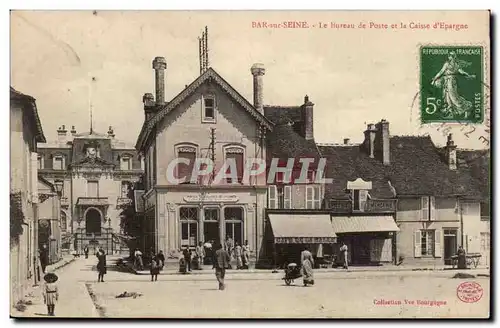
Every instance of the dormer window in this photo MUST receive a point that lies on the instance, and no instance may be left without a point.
(358, 193)
(125, 163)
(208, 108)
(58, 162)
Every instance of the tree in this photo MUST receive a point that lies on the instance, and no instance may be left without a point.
(130, 222)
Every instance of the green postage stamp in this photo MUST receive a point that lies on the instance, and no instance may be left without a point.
(451, 84)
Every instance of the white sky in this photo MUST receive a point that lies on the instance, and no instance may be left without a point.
(354, 77)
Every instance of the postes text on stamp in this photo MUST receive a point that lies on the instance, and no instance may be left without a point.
(451, 84)
(469, 292)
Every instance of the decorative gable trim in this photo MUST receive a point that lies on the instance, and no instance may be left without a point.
(212, 76)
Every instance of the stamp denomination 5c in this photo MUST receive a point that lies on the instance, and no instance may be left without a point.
(451, 84)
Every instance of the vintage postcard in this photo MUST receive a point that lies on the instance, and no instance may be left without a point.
(250, 164)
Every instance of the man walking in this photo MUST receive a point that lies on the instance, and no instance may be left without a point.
(221, 263)
(200, 255)
(187, 258)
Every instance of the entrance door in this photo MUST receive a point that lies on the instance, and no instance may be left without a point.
(450, 245)
(93, 222)
(211, 225)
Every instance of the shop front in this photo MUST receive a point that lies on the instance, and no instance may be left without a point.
(288, 235)
(370, 239)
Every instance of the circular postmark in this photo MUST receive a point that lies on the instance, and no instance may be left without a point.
(469, 292)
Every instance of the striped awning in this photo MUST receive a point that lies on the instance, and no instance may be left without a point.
(302, 228)
(346, 224)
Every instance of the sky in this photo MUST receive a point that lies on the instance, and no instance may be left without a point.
(353, 76)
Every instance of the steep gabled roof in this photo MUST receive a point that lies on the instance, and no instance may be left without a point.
(416, 169)
(284, 142)
(208, 75)
(32, 111)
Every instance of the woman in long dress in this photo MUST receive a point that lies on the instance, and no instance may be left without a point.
(307, 263)
(238, 255)
(446, 78)
(246, 255)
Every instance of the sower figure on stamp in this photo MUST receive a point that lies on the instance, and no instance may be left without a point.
(221, 263)
(50, 292)
(447, 78)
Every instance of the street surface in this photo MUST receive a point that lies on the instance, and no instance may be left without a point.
(256, 295)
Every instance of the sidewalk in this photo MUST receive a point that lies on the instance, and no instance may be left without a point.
(74, 299)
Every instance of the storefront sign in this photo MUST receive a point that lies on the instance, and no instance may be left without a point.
(305, 240)
(217, 198)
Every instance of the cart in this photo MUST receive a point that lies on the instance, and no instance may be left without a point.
(472, 259)
(292, 272)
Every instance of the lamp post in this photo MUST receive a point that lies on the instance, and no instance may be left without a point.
(58, 186)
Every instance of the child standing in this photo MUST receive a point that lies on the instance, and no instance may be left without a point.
(155, 269)
(50, 293)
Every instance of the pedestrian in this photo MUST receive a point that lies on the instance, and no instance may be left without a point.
(101, 265)
(187, 258)
(44, 257)
(246, 255)
(200, 254)
(86, 251)
(462, 258)
(344, 250)
(154, 269)
(161, 260)
(307, 262)
(50, 292)
(208, 251)
(220, 264)
(139, 265)
(229, 248)
(238, 253)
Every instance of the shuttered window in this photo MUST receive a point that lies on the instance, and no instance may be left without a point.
(428, 243)
(287, 201)
(424, 207)
(313, 197)
(271, 197)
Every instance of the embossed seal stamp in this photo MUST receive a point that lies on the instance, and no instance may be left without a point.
(469, 292)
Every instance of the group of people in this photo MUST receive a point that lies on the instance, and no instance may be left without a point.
(157, 262)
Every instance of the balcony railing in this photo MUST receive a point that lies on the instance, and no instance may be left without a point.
(371, 206)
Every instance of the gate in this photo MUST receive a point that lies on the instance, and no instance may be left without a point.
(94, 241)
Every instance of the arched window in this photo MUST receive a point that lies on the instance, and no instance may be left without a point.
(233, 217)
(185, 170)
(64, 222)
(189, 225)
(236, 154)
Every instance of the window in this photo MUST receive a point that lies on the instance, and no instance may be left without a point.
(427, 243)
(63, 222)
(58, 163)
(358, 198)
(235, 154)
(189, 226)
(485, 211)
(234, 223)
(427, 206)
(485, 241)
(313, 200)
(92, 188)
(284, 197)
(272, 197)
(185, 170)
(40, 162)
(209, 108)
(126, 163)
(211, 224)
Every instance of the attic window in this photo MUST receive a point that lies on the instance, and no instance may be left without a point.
(208, 110)
(359, 198)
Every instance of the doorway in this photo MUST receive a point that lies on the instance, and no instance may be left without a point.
(93, 222)
(211, 230)
(450, 245)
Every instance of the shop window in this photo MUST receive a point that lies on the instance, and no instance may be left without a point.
(233, 217)
(211, 224)
(208, 110)
(313, 199)
(427, 243)
(189, 226)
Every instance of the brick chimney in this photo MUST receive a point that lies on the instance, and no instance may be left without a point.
(62, 134)
(73, 131)
(382, 142)
(307, 118)
(160, 65)
(111, 133)
(369, 142)
(346, 141)
(258, 72)
(149, 105)
(451, 153)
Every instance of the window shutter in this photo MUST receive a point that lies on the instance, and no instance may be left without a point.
(309, 197)
(34, 178)
(417, 243)
(437, 243)
(432, 210)
(425, 208)
(317, 199)
(271, 197)
(288, 197)
(362, 199)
